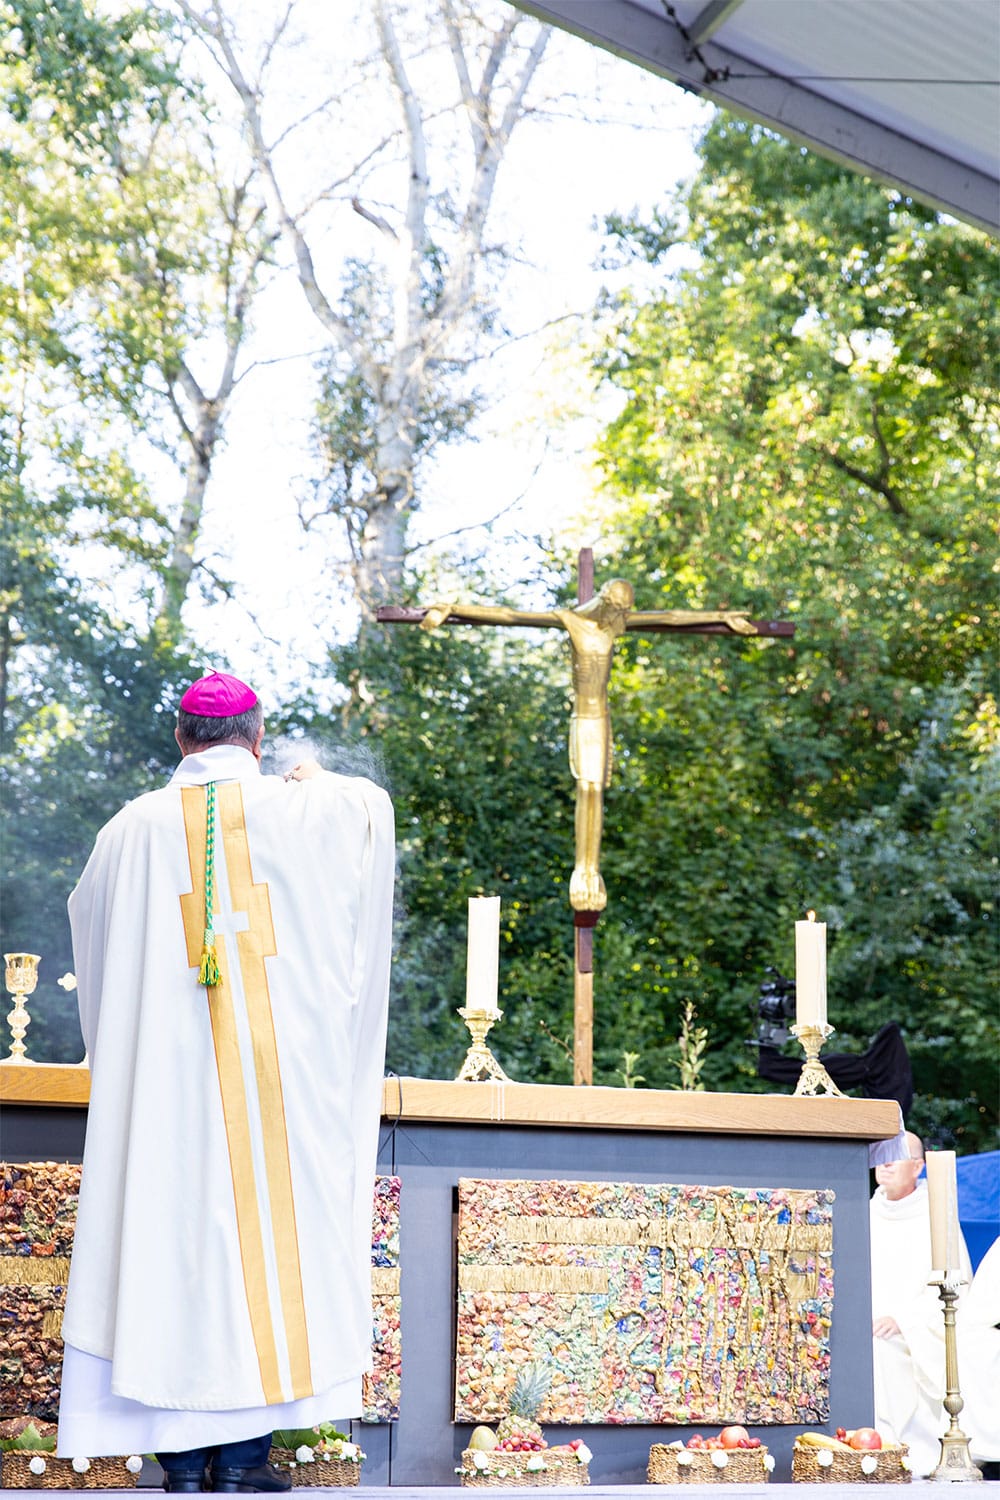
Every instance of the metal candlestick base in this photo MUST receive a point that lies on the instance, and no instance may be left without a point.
(21, 978)
(814, 1079)
(479, 1060)
(955, 1466)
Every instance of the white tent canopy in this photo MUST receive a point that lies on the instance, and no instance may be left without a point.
(906, 91)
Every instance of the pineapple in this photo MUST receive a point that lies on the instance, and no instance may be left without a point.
(519, 1432)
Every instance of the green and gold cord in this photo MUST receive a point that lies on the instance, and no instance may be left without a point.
(208, 973)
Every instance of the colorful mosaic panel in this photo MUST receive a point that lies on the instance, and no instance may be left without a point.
(37, 1218)
(648, 1302)
(380, 1389)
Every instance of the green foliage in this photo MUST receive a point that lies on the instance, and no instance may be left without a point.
(84, 679)
(629, 1077)
(29, 1440)
(808, 429)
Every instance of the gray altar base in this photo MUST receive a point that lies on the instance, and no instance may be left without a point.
(424, 1447)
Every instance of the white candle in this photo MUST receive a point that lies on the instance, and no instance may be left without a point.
(942, 1190)
(810, 972)
(483, 963)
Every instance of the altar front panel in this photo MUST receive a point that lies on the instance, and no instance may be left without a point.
(425, 1445)
(645, 1303)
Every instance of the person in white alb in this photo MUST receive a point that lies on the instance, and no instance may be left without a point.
(978, 1336)
(231, 934)
(907, 1322)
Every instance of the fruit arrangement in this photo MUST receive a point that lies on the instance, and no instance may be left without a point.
(854, 1455)
(860, 1440)
(519, 1431)
(729, 1437)
(517, 1452)
(730, 1456)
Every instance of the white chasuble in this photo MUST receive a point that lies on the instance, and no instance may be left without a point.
(221, 1264)
(909, 1367)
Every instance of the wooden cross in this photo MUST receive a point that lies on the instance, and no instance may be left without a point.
(593, 628)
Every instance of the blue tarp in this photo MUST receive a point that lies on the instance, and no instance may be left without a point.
(979, 1201)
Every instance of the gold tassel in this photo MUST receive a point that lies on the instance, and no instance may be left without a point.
(209, 972)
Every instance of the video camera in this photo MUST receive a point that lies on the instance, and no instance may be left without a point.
(775, 1006)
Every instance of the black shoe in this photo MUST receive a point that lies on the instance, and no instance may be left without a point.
(264, 1479)
(184, 1481)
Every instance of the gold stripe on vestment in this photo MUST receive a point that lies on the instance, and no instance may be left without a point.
(254, 945)
(234, 1100)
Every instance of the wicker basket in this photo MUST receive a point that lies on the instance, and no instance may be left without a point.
(510, 1471)
(330, 1473)
(670, 1465)
(103, 1474)
(891, 1465)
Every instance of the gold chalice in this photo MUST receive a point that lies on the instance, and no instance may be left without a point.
(21, 979)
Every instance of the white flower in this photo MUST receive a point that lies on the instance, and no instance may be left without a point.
(134, 1464)
(720, 1459)
(480, 1460)
(685, 1457)
(824, 1458)
(869, 1464)
(37, 1465)
(584, 1454)
(769, 1462)
(535, 1464)
(81, 1465)
(351, 1452)
(304, 1455)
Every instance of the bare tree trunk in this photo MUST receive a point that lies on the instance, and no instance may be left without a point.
(400, 366)
(200, 417)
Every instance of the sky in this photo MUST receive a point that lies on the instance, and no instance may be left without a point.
(616, 139)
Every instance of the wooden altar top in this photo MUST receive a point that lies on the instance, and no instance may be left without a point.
(432, 1100)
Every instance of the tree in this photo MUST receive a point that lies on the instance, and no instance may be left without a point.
(403, 326)
(807, 428)
(113, 179)
(95, 194)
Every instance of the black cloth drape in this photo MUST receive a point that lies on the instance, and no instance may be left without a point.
(883, 1072)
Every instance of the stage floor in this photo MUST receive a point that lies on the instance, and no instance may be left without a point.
(918, 1489)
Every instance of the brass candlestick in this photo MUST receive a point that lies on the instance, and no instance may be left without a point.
(814, 1079)
(21, 978)
(955, 1465)
(479, 1060)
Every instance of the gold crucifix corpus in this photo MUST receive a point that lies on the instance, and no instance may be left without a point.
(593, 628)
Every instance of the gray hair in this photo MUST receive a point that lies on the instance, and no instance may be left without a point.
(236, 729)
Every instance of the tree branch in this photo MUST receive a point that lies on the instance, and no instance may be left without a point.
(339, 328)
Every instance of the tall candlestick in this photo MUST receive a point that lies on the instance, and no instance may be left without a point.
(942, 1191)
(810, 972)
(483, 963)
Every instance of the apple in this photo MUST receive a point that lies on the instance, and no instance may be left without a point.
(865, 1437)
(732, 1437)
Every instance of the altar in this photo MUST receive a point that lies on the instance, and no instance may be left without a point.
(440, 1140)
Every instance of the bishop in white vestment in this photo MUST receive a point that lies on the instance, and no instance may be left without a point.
(220, 1280)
